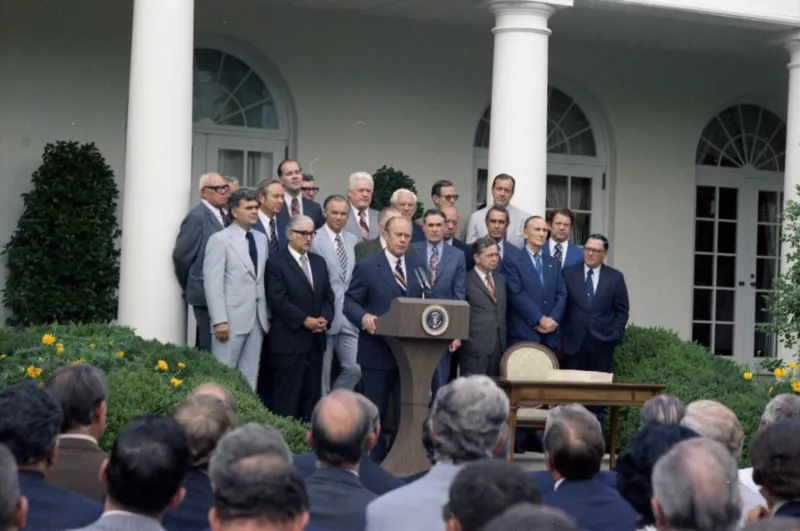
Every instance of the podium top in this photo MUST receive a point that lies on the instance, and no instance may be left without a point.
(425, 319)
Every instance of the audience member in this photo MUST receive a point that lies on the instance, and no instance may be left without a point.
(784, 406)
(82, 392)
(662, 409)
(29, 427)
(700, 498)
(530, 517)
(246, 441)
(574, 448)
(468, 423)
(206, 419)
(13, 505)
(483, 490)
(775, 455)
(635, 465)
(219, 392)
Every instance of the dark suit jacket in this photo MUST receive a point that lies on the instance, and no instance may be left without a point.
(509, 250)
(593, 505)
(372, 475)
(789, 510)
(310, 209)
(603, 321)
(77, 468)
(487, 318)
(372, 289)
(574, 254)
(467, 250)
(529, 300)
(292, 299)
(373, 246)
(280, 229)
(337, 499)
(545, 481)
(52, 507)
(417, 234)
(189, 252)
(192, 513)
(451, 278)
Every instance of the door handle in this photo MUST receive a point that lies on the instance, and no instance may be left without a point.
(752, 284)
(741, 282)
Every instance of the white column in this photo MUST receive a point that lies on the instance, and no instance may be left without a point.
(518, 136)
(158, 165)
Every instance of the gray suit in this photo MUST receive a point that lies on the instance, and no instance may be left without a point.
(354, 228)
(235, 292)
(187, 259)
(342, 335)
(488, 333)
(124, 522)
(476, 227)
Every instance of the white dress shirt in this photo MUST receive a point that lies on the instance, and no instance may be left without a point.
(552, 244)
(392, 259)
(214, 210)
(331, 235)
(265, 221)
(357, 214)
(288, 200)
(296, 257)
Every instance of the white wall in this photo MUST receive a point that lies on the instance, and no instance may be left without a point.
(770, 11)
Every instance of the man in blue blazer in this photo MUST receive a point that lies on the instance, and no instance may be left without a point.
(294, 204)
(377, 280)
(270, 203)
(536, 293)
(560, 221)
(597, 310)
(447, 272)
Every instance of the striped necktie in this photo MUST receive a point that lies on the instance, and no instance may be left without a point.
(490, 287)
(433, 265)
(399, 276)
(362, 222)
(341, 254)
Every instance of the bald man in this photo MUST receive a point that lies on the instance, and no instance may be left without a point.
(341, 432)
(451, 230)
(220, 392)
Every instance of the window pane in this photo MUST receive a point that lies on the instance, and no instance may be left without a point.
(259, 167)
(723, 340)
(766, 268)
(728, 198)
(581, 193)
(762, 307)
(556, 191)
(582, 229)
(705, 197)
(726, 237)
(768, 207)
(701, 333)
(765, 345)
(767, 240)
(704, 236)
(726, 271)
(231, 162)
(702, 305)
(724, 307)
(481, 186)
(703, 270)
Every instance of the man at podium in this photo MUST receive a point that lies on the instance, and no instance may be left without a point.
(377, 279)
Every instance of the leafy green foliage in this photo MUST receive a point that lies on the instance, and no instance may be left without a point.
(690, 371)
(63, 263)
(144, 376)
(387, 180)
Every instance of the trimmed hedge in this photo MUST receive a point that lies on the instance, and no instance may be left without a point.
(137, 384)
(691, 372)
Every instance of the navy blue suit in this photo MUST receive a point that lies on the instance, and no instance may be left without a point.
(509, 250)
(52, 507)
(529, 300)
(593, 505)
(574, 254)
(417, 234)
(592, 331)
(469, 260)
(789, 510)
(310, 209)
(192, 513)
(280, 229)
(545, 481)
(372, 476)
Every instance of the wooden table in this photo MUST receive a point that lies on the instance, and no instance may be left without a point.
(615, 395)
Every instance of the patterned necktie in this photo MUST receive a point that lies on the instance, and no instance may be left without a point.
(295, 207)
(490, 287)
(557, 253)
(251, 247)
(306, 269)
(433, 265)
(537, 261)
(399, 276)
(590, 287)
(362, 221)
(273, 235)
(341, 254)
(224, 216)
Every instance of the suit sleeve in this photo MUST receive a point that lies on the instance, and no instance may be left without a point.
(517, 296)
(621, 307)
(329, 299)
(460, 280)
(471, 233)
(279, 298)
(355, 298)
(214, 278)
(187, 247)
(560, 304)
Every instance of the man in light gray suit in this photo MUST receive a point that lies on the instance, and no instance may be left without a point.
(190, 246)
(337, 248)
(487, 297)
(233, 276)
(362, 221)
(502, 191)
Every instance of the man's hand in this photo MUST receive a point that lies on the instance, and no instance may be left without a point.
(312, 323)
(454, 345)
(755, 514)
(322, 325)
(548, 325)
(370, 323)
(221, 331)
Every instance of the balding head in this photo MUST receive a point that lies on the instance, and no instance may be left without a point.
(341, 429)
(573, 442)
(451, 221)
(217, 391)
(784, 406)
(717, 422)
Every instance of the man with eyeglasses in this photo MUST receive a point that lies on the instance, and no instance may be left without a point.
(295, 204)
(299, 290)
(309, 187)
(594, 321)
(197, 227)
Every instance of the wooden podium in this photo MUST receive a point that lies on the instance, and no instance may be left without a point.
(418, 331)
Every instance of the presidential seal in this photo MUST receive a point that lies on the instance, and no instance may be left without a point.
(435, 320)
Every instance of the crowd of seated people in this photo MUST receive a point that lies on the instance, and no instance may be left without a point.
(197, 469)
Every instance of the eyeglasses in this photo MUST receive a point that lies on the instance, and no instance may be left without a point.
(450, 197)
(221, 188)
(592, 250)
(310, 188)
(306, 233)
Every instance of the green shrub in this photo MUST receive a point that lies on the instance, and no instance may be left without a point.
(690, 371)
(134, 366)
(63, 262)
(387, 180)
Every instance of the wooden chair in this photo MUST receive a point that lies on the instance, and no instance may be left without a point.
(529, 361)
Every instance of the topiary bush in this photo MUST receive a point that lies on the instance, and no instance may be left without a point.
(690, 371)
(63, 263)
(144, 376)
(387, 180)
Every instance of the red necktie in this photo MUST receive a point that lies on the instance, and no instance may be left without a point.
(295, 207)
(362, 220)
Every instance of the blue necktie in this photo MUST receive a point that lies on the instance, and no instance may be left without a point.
(251, 245)
(557, 254)
(537, 261)
(590, 287)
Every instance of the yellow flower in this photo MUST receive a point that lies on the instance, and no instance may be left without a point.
(41, 358)
(92, 345)
(175, 382)
(78, 361)
(748, 376)
(48, 339)
(796, 387)
(780, 372)
(793, 365)
(3, 356)
(59, 348)
(162, 365)
(110, 342)
(181, 365)
(33, 371)
(770, 390)
(121, 353)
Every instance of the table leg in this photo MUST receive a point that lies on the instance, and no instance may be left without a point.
(612, 452)
(512, 432)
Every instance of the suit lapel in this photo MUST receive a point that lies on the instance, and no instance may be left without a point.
(386, 272)
(328, 250)
(294, 266)
(602, 283)
(213, 218)
(476, 279)
(240, 247)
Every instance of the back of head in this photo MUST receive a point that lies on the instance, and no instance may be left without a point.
(29, 423)
(260, 487)
(701, 498)
(79, 390)
(205, 419)
(468, 419)
(9, 491)
(775, 455)
(246, 441)
(218, 391)
(662, 409)
(635, 463)
(717, 422)
(340, 427)
(147, 463)
(784, 406)
(484, 489)
(774, 523)
(529, 517)
(573, 442)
